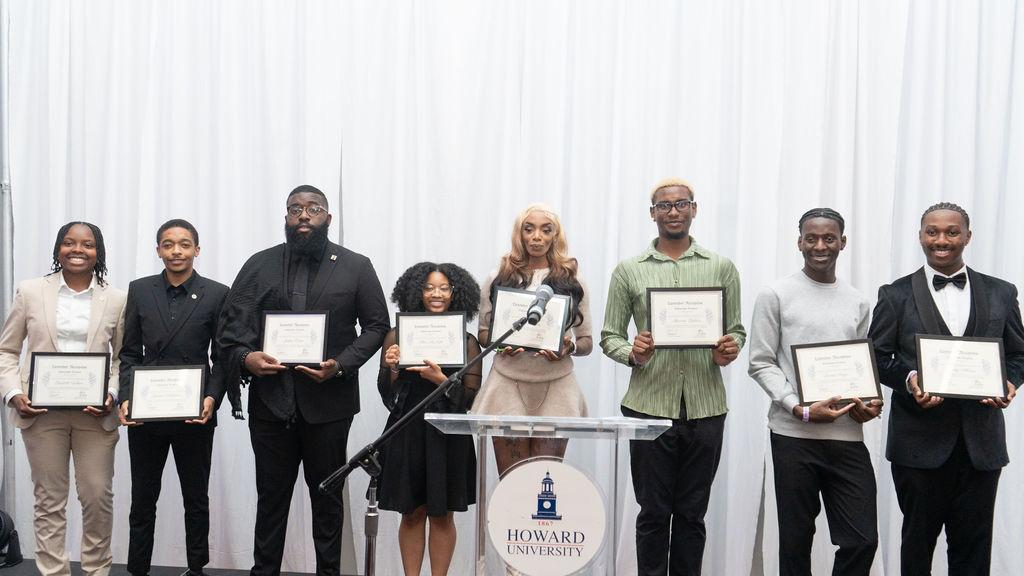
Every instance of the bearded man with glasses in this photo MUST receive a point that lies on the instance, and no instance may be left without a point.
(672, 474)
(301, 414)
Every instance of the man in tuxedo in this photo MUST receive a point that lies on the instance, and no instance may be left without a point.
(170, 320)
(301, 414)
(946, 453)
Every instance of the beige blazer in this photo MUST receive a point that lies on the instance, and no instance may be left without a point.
(34, 317)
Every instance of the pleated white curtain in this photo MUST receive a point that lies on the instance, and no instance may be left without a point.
(434, 123)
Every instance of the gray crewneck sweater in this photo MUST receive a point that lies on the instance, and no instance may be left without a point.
(798, 310)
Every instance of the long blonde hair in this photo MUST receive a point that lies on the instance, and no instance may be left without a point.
(514, 269)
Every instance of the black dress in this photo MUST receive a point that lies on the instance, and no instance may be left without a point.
(420, 465)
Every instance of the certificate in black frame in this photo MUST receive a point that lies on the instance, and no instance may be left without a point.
(650, 325)
(514, 340)
(101, 384)
(461, 339)
(922, 372)
(323, 349)
(191, 416)
(870, 358)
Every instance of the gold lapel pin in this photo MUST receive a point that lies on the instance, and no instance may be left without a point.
(334, 257)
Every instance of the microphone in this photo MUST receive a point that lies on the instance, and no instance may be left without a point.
(536, 310)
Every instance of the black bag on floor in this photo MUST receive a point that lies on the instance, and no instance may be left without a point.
(10, 548)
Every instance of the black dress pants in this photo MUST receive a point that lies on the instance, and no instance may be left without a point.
(955, 495)
(148, 446)
(279, 448)
(672, 478)
(841, 473)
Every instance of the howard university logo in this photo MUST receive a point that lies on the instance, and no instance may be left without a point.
(552, 541)
(547, 501)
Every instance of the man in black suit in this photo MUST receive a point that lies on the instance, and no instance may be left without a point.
(301, 415)
(171, 319)
(946, 453)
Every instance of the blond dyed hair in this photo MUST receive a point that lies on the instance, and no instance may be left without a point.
(514, 271)
(670, 182)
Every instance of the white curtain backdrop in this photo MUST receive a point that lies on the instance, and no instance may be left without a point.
(450, 116)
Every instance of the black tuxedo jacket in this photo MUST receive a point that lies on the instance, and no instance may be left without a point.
(347, 288)
(925, 438)
(152, 339)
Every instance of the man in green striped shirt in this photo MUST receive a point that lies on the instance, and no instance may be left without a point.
(672, 475)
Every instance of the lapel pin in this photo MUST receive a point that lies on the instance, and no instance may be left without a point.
(334, 257)
(194, 296)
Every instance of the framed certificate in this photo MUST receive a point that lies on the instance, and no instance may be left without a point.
(440, 338)
(846, 369)
(68, 379)
(166, 393)
(511, 304)
(686, 317)
(954, 367)
(295, 338)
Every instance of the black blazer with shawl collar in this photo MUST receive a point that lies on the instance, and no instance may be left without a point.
(152, 339)
(346, 286)
(921, 438)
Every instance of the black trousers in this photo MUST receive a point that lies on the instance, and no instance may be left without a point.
(841, 473)
(279, 448)
(148, 446)
(672, 478)
(956, 496)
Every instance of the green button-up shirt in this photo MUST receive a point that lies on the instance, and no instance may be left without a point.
(655, 388)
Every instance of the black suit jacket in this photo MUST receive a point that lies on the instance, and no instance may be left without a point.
(347, 288)
(925, 438)
(152, 339)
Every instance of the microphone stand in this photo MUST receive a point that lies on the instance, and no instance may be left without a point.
(368, 457)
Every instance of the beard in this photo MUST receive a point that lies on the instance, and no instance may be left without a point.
(309, 244)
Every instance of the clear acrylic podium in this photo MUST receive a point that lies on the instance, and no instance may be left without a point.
(610, 429)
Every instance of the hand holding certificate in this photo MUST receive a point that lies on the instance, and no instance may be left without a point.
(438, 337)
(952, 367)
(166, 393)
(686, 317)
(295, 338)
(511, 304)
(844, 370)
(68, 380)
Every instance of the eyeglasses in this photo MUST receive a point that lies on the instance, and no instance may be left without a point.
(444, 289)
(313, 210)
(666, 207)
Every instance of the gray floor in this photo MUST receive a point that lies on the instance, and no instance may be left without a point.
(28, 568)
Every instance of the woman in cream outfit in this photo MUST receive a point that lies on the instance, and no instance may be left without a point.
(523, 383)
(71, 310)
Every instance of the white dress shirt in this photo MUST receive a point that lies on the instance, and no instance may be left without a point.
(954, 303)
(73, 312)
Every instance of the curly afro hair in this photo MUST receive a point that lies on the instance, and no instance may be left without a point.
(408, 292)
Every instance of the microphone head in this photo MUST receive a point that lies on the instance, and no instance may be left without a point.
(536, 310)
(545, 292)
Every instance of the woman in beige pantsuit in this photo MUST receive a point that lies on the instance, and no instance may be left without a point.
(71, 310)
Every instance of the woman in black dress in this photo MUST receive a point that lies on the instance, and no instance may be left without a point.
(427, 474)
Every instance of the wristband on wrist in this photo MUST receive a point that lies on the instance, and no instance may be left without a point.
(807, 414)
(244, 356)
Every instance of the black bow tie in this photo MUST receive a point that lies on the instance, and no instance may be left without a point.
(960, 281)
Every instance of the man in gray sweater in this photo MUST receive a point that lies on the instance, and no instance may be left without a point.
(818, 448)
